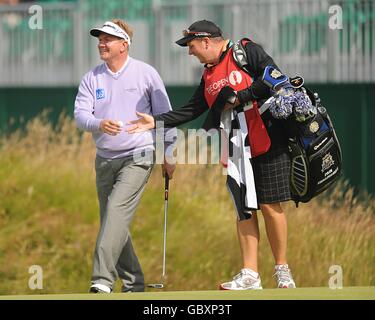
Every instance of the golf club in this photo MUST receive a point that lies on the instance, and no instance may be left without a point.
(166, 190)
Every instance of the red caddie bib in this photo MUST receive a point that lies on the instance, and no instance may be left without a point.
(227, 73)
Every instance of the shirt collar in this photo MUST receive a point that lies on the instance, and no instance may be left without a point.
(116, 74)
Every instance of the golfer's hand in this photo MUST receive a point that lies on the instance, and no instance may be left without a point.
(144, 123)
(110, 127)
(168, 169)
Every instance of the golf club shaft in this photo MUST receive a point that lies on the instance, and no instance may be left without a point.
(166, 191)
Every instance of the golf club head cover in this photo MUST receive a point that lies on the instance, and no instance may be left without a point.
(274, 78)
(297, 82)
(286, 102)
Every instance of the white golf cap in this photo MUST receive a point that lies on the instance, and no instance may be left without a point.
(112, 29)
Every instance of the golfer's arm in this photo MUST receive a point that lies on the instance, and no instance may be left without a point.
(84, 108)
(195, 107)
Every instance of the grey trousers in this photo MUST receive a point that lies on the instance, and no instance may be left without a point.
(120, 184)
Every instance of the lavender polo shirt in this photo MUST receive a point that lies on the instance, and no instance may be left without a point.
(103, 94)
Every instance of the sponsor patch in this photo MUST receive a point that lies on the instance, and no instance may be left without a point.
(275, 74)
(100, 94)
(327, 162)
(314, 127)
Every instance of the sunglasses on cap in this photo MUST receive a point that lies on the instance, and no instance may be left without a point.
(186, 33)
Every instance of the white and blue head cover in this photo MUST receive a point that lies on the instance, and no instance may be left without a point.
(113, 29)
(286, 102)
(287, 97)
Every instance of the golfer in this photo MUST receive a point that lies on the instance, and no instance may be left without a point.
(109, 95)
(223, 86)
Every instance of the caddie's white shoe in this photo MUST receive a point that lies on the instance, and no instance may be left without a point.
(247, 279)
(284, 277)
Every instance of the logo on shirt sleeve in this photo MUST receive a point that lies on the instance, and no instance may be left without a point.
(99, 94)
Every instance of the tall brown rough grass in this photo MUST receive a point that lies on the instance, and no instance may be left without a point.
(49, 217)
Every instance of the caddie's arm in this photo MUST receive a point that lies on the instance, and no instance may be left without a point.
(258, 60)
(192, 110)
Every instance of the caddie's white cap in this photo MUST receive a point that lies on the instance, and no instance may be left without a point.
(113, 29)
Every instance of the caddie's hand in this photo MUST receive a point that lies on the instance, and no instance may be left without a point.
(229, 95)
(111, 127)
(144, 123)
(228, 106)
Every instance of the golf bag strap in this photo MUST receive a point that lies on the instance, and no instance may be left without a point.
(239, 54)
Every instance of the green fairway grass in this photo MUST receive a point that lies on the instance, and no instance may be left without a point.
(349, 293)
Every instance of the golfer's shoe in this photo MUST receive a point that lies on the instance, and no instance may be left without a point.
(284, 277)
(245, 280)
(100, 288)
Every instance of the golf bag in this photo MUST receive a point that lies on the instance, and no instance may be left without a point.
(314, 149)
(315, 153)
